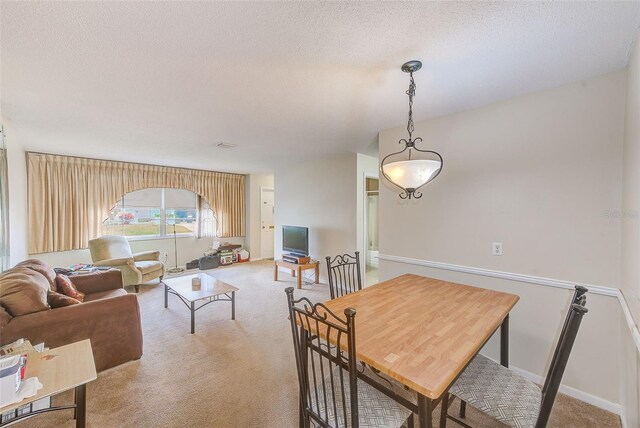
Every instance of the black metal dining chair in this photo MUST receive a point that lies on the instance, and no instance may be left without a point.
(508, 397)
(344, 274)
(331, 392)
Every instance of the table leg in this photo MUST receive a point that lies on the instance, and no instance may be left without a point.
(504, 342)
(425, 412)
(275, 271)
(233, 305)
(444, 409)
(317, 273)
(166, 296)
(293, 273)
(81, 406)
(193, 317)
(299, 277)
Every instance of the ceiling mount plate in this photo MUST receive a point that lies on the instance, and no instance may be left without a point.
(411, 66)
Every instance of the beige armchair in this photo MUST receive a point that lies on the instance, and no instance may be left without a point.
(115, 252)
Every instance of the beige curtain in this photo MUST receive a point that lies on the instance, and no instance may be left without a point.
(70, 197)
(206, 220)
(4, 206)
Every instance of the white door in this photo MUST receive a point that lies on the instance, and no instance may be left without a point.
(267, 226)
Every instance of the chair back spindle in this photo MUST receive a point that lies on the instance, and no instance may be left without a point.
(344, 274)
(561, 355)
(578, 295)
(324, 370)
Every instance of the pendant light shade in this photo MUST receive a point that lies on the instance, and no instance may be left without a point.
(411, 174)
(411, 168)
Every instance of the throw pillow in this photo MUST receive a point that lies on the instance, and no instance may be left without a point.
(66, 287)
(57, 300)
(42, 268)
(23, 291)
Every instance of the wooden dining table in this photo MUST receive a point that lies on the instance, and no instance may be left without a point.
(423, 332)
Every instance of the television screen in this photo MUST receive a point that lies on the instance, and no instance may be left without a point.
(295, 239)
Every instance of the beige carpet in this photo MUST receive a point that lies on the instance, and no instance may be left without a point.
(228, 374)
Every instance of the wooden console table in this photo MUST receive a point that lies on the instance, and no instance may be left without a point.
(296, 268)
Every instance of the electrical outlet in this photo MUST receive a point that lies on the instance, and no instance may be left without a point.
(166, 255)
(496, 248)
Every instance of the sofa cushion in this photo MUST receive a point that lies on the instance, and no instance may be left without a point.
(42, 268)
(104, 294)
(58, 300)
(66, 287)
(149, 266)
(4, 317)
(23, 291)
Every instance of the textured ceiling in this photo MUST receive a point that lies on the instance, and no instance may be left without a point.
(164, 82)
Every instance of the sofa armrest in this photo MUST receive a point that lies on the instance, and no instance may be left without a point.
(112, 325)
(125, 261)
(98, 281)
(147, 256)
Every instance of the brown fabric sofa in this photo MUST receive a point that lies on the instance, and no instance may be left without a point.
(109, 316)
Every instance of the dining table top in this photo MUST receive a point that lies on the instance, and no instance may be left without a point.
(423, 331)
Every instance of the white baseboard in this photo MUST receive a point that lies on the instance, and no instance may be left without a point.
(573, 392)
(623, 420)
(601, 403)
(257, 259)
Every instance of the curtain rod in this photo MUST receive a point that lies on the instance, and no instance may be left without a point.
(134, 163)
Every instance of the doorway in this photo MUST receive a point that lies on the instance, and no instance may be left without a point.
(371, 229)
(266, 222)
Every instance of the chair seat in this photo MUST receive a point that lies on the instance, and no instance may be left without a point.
(375, 409)
(148, 266)
(499, 392)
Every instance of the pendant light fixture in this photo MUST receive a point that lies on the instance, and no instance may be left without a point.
(416, 168)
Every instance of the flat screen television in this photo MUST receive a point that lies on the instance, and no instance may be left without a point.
(295, 239)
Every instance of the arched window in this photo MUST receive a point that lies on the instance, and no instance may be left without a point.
(157, 213)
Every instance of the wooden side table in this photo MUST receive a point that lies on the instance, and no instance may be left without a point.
(60, 369)
(296, 268)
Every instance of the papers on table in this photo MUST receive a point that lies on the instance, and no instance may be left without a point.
(13, 387)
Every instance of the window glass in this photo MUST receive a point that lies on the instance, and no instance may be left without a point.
(181, 211)
(153, 213)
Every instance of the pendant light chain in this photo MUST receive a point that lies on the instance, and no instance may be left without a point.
(410, 128)
(411, 92)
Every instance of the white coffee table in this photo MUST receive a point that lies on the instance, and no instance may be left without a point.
(211, 290)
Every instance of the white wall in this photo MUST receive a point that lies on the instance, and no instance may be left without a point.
(538, 173)
(320, 195)
(367, 167)
(254, 232)
(630, 218)
(17, 194)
